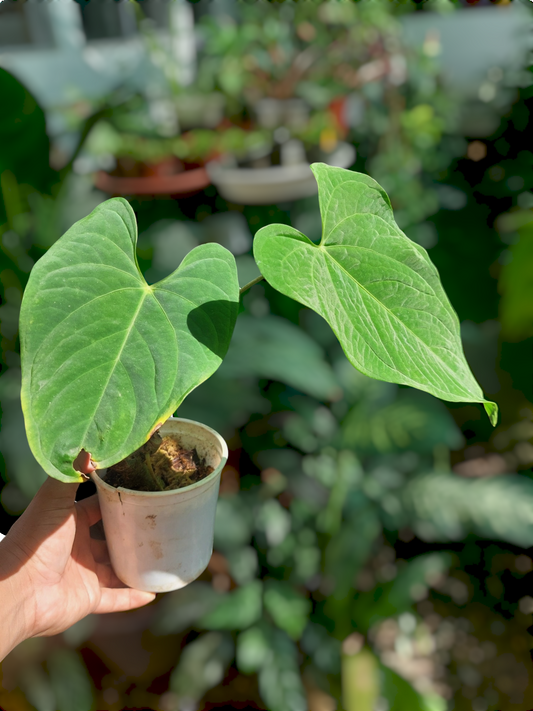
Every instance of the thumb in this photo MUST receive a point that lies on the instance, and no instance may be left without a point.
(49, 510)
(61, 494)
(54, 496)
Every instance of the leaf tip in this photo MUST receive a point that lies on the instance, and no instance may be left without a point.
(492, 411)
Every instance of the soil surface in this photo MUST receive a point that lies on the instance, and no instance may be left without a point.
(159, 465)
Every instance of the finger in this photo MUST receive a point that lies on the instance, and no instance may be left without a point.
(90, 508)
(83, 463)
(56, 494)
(107, 577)
(100, 552)
(122, 599)
(50, 508)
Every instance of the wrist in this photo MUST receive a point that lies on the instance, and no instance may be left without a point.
(15, 601)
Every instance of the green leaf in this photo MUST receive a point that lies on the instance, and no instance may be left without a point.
(25, 146)
(70, 681)
(516, 285)
(182, 609)
(322, 648)
(401, 695)
(447, 507)
(253, 649)
(280, 683)
(233, 523)
(288, 609)
(236, 610)
(376, 288)
(413, 421)
(202, 665)
(400, 595)
(36, 687)
(273, 348)
(348, 550)
(105, 356)
(224, 404)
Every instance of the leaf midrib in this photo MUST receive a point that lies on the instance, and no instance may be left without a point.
(287, 256)
(426, 347)
(117, 360)
(427, 263)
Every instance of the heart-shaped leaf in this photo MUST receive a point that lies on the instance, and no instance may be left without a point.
(105, 356)
(376, 288)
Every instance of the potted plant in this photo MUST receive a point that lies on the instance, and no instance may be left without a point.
(145, 162)
(280, 170)
(159, 165)
(261, 66)
(107, 358)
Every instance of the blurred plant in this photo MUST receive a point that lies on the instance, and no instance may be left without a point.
(328, 479)
(348, 64)
(34, 207)
(292, 50)
(301, 560)
(195, 145)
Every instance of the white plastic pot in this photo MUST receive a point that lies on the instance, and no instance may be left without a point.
(162, 540)
(273, 184)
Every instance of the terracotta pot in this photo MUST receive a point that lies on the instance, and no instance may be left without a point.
(156, 180)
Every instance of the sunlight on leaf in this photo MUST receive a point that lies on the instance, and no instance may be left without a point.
(105, 356)
(378, 290)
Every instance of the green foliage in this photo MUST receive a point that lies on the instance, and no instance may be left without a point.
(195, 145)
(275, 349)
(288, 609)
(412, 421)
(105, 356)
(236, 610)
(398, 596)
(379, 291)
(346, 470)
(233, 523)
(253, 649)
(24, 160)
(401, 695)
(347, 551)
(184, 607)
(516, 285)
(445, 507)
(202, 665)
(105, 363)
(70, 681)
(280, 683)
(35, 684)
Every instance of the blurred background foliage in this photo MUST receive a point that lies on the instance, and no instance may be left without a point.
(373, 545)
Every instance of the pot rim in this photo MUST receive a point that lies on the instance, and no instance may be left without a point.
(98, 481)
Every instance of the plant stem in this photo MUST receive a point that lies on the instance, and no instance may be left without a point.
(250, 284)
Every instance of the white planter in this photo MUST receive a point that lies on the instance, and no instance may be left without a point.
(162, 540)
(278, 183)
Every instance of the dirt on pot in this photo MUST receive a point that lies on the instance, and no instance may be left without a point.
(161, 464)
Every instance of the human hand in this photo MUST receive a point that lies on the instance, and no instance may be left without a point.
(52, 573)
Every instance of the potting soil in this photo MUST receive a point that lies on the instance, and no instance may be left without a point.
(161, 464)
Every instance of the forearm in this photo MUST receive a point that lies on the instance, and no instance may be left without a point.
(14, 596)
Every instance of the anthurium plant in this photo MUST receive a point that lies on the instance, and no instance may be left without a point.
(107, 357)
